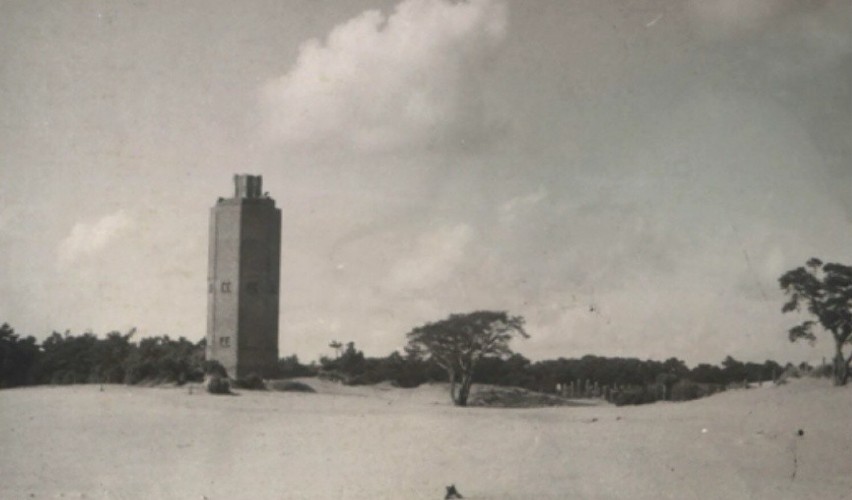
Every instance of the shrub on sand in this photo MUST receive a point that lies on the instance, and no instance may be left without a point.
(217, 385)
(789, 372)
(687, 390)
(635, 397)
(335, 376)
(213, 367)
(823, 371)
(252, 382)
(513, 397)
(290, 386)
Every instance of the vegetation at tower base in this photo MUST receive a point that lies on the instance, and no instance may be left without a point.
(826, 292)
(459, 342)
(217, 385)
(252, 381)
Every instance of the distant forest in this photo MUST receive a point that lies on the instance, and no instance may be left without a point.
(117, 358)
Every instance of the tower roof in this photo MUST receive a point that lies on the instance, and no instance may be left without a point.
(247, 186)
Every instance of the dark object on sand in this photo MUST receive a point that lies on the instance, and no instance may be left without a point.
(252, 382)
(452, 492)
(217, 385)
(290, 386)
(801, 432)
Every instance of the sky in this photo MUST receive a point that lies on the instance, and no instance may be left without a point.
(630, 177)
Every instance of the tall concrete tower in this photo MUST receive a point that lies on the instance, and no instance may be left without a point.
(243, 279)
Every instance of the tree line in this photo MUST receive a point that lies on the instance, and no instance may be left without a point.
(86, 358)
(515, 370)
(118, 358)
(460, 349)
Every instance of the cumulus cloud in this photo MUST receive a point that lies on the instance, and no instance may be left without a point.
(411, 79)
(87, 239)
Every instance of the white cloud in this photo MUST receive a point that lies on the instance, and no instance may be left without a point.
(410, 79)
(87, 239)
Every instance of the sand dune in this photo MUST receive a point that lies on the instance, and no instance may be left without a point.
(382, 442)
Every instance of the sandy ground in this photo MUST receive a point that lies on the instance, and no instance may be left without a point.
(379, 442)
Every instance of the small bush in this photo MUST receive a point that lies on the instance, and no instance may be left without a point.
(290, 367)
(635, 397)
(514, 397)
(687, 390)
(290, 386)
(335, 376)
(213, 367)
(217, 385)
(252, 382)
(407, 381)
(789, 372)
(822, 371)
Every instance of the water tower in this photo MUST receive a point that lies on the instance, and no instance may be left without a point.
(243, 280)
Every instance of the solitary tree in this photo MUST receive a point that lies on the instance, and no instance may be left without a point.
(826, 292)
(458, 342)
(337, 346)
